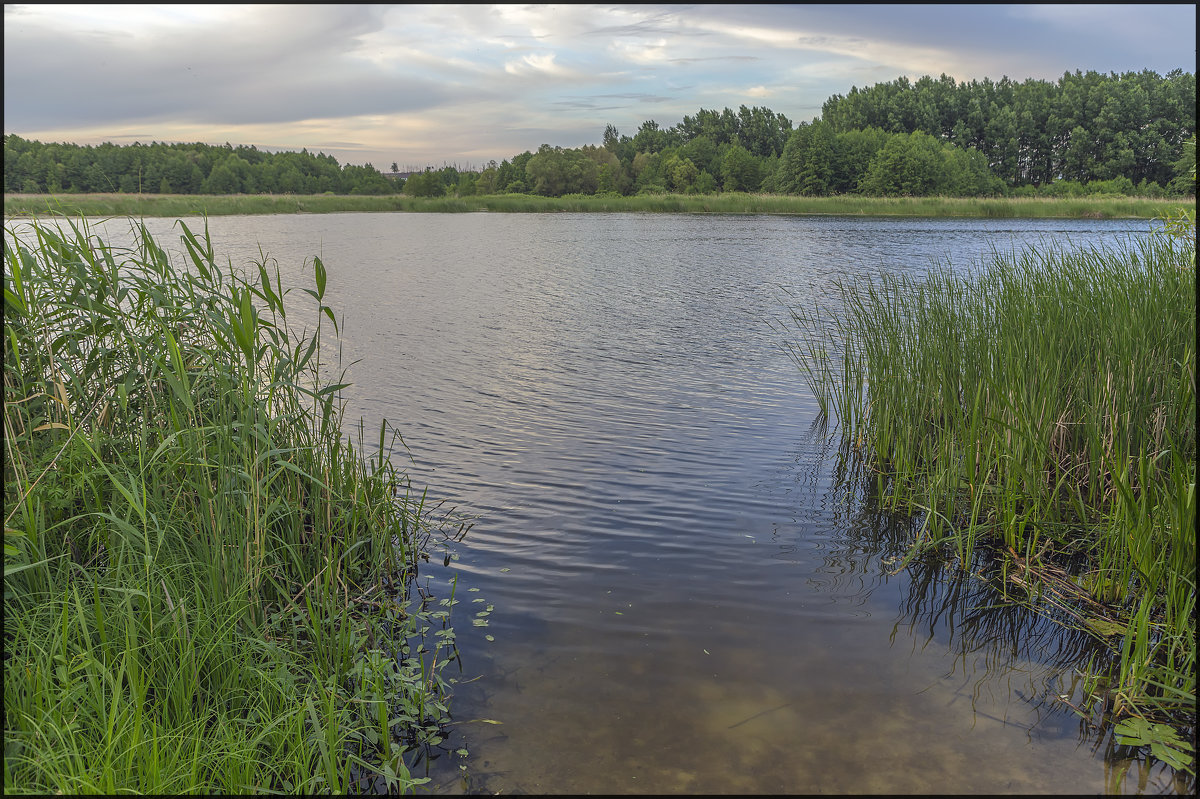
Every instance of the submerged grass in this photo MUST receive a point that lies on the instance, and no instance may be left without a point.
(206, 587)
(1043, 407)
(168, 205)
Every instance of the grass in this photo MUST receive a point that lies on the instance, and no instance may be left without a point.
(144, 205)
(207, 588)
(1043, 407)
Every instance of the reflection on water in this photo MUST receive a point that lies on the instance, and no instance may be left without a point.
(960, 698)
(692, 591)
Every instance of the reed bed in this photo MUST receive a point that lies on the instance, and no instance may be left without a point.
(1042, 406)
(147, 205)
(207, 588)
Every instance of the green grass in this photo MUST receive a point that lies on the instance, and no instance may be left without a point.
(205, 583)
(1043, 407)
(148, 205)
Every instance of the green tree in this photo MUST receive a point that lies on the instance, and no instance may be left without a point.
(809, 164)
(650, 138)
(740, 170)
(762, 132)
(518, 182)
(424, 184)
(909, 165)
(967, 174)
(485, 183)
(612, 138)
(291, 181)
(610, 173)
(1184, 182)
(855, 149)
(1078, 161)
(553, 172)
(702, 151)
(681, 174)
(649, 175)
(220, 181)
(706, 183)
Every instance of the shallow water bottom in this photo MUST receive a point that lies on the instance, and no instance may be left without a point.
(705, 714)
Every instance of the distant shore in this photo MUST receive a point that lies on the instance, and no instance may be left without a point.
(176, 205)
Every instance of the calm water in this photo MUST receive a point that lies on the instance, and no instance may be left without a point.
(687, 598)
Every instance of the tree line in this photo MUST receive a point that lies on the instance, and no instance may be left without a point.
(1088, 133)
(1088, 126)
(156, 168)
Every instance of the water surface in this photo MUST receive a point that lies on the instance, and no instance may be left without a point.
(687, 597)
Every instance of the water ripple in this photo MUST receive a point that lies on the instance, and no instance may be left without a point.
(678, 573)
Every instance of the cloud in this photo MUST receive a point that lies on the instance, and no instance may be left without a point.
(540, 65)
(272, 66)
(439, 82)
(652, 52)
(605, 102)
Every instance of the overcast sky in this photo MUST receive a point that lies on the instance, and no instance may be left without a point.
(426, 85)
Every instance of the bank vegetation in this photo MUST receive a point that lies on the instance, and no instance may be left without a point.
(207, 587)
(176, 206)
(1037, 415)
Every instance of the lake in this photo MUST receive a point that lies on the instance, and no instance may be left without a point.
(688, 596)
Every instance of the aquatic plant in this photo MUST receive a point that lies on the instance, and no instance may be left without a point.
(207, 588)
(1042, 406)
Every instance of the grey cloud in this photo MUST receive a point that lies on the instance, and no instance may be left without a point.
(305, 68)
(592, 103)
(1012, 39)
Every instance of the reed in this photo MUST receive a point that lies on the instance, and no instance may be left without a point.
(207, 587)
(1042, 406)
(148, 205)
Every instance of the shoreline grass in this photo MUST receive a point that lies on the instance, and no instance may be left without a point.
(206, 587)
(1043, 408)
(147, 205)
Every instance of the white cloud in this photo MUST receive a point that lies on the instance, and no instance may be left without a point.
(640, 52)
(540, 64)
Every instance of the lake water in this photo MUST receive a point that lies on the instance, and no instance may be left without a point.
(686, 596)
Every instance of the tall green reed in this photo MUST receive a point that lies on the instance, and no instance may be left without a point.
(197, 562)
(1043, 406)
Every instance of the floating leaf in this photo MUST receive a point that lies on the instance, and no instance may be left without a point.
(1163, 740)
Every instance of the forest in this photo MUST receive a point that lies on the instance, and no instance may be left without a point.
(1088, 133)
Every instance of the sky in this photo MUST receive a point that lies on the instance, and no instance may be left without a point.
(428, 85)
